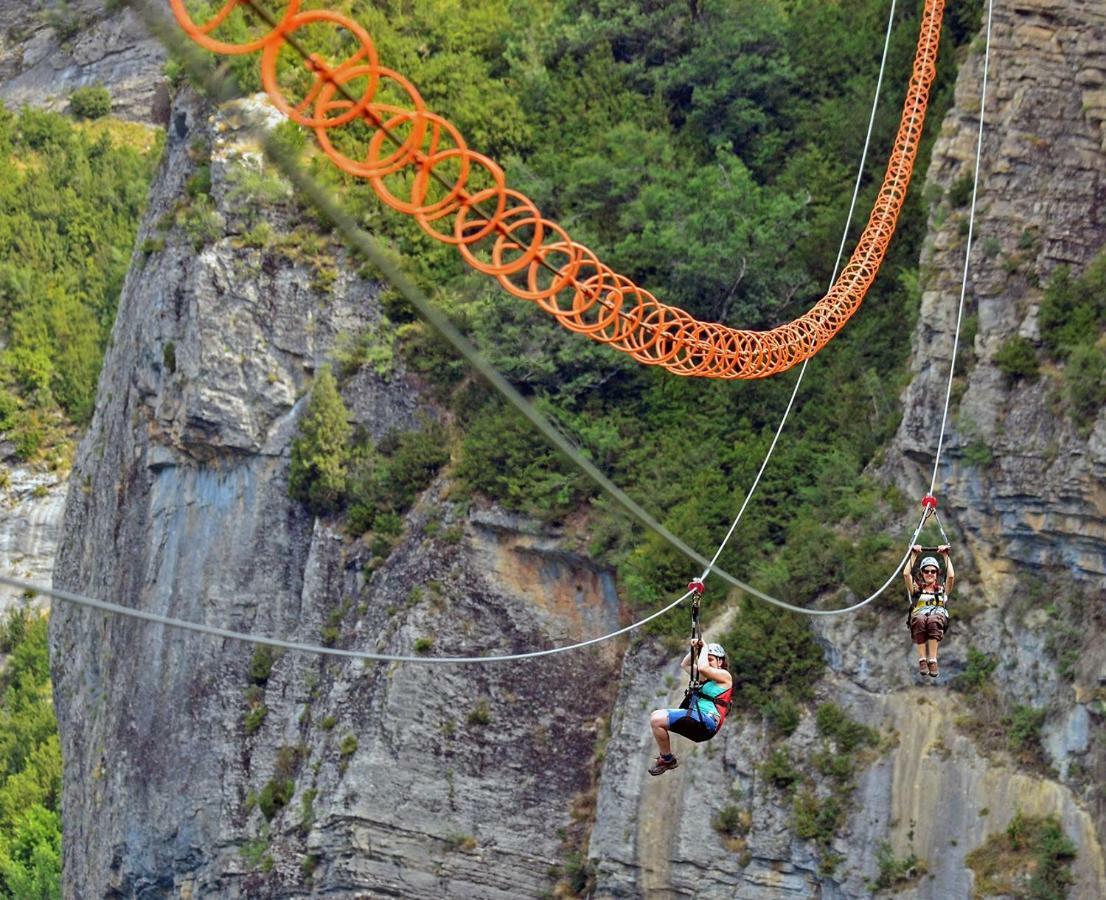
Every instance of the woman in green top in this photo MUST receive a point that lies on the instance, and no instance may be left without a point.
(716, 681)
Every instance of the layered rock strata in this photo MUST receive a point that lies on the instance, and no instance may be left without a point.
(195, 766)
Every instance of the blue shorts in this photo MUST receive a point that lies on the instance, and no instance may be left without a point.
(676, 715)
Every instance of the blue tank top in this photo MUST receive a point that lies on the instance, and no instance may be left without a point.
(704, 700)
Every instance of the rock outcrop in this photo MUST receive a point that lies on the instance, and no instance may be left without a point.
(31, 506)
(197, 766)
(49, 49)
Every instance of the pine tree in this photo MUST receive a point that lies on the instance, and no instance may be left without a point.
(320, 449)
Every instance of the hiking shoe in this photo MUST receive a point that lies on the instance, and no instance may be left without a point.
(662, 765)
(932, 666)
(923, 667)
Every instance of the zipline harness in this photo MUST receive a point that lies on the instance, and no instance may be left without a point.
(693, 727)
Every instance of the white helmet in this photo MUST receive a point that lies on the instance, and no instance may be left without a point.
(716, 650)
(927, 562)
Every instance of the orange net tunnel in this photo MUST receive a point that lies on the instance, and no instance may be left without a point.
(373, 123)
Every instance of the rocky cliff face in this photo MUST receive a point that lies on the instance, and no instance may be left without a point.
(48, 49)
(31, 505)
(198, 767)
(1022, 523)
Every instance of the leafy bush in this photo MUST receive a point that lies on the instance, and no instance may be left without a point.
(92, 102)
(1017, 358)
(774, 655)
(384, 481)
(818, 818)
(894, 871)
(1023, 733)
(317, 476)
(275, 796)
(1085, 377)
(849, 735)
(977, 672)
(261, 664)
(780, 771)
(1073, 311)
(1030, 859)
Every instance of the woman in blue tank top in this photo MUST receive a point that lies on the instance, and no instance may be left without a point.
(716, 680)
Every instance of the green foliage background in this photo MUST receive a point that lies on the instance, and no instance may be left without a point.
(70, 201)
(30, 764)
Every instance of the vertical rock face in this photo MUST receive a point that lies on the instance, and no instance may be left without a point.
(48, 50)
(1038, 503)
(195, 765)
(31, 505)
(1041, 205)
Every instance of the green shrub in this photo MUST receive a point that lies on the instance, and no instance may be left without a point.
(894, 871)
(960, 191)
(780, 771)
(782, 714)
(817, 819)
(384, 481)
(275, 796)
(849, 735)
(1085, 377)
(92, 102)
(977, 671)
(1023, 733)
(1017, 358)
(348, 746)
(261, 664)
(317, 476)
(254, 718)
(1031, 858)
(1073, 310)
(480, 714)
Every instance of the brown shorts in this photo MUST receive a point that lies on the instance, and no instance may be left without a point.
(928, 626)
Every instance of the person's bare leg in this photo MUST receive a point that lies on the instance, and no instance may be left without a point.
(659, 723)
(931, 649)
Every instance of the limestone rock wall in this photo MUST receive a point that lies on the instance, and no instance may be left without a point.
(187, 775)
(1039, 502)
(49, 49)
(31, 507)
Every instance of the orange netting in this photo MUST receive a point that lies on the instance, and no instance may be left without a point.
(418, 163)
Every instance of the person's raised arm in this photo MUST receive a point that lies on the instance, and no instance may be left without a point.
(950, 573)
(908, 569)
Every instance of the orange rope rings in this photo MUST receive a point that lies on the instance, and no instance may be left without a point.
(373, 124)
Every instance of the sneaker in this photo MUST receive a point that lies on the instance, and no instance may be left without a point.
(662, 765)
(923, 667)
(932, 666)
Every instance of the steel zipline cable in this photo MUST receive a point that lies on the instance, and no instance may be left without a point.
(220, 89)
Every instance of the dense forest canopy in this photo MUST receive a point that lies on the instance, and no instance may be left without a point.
(69, 207)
